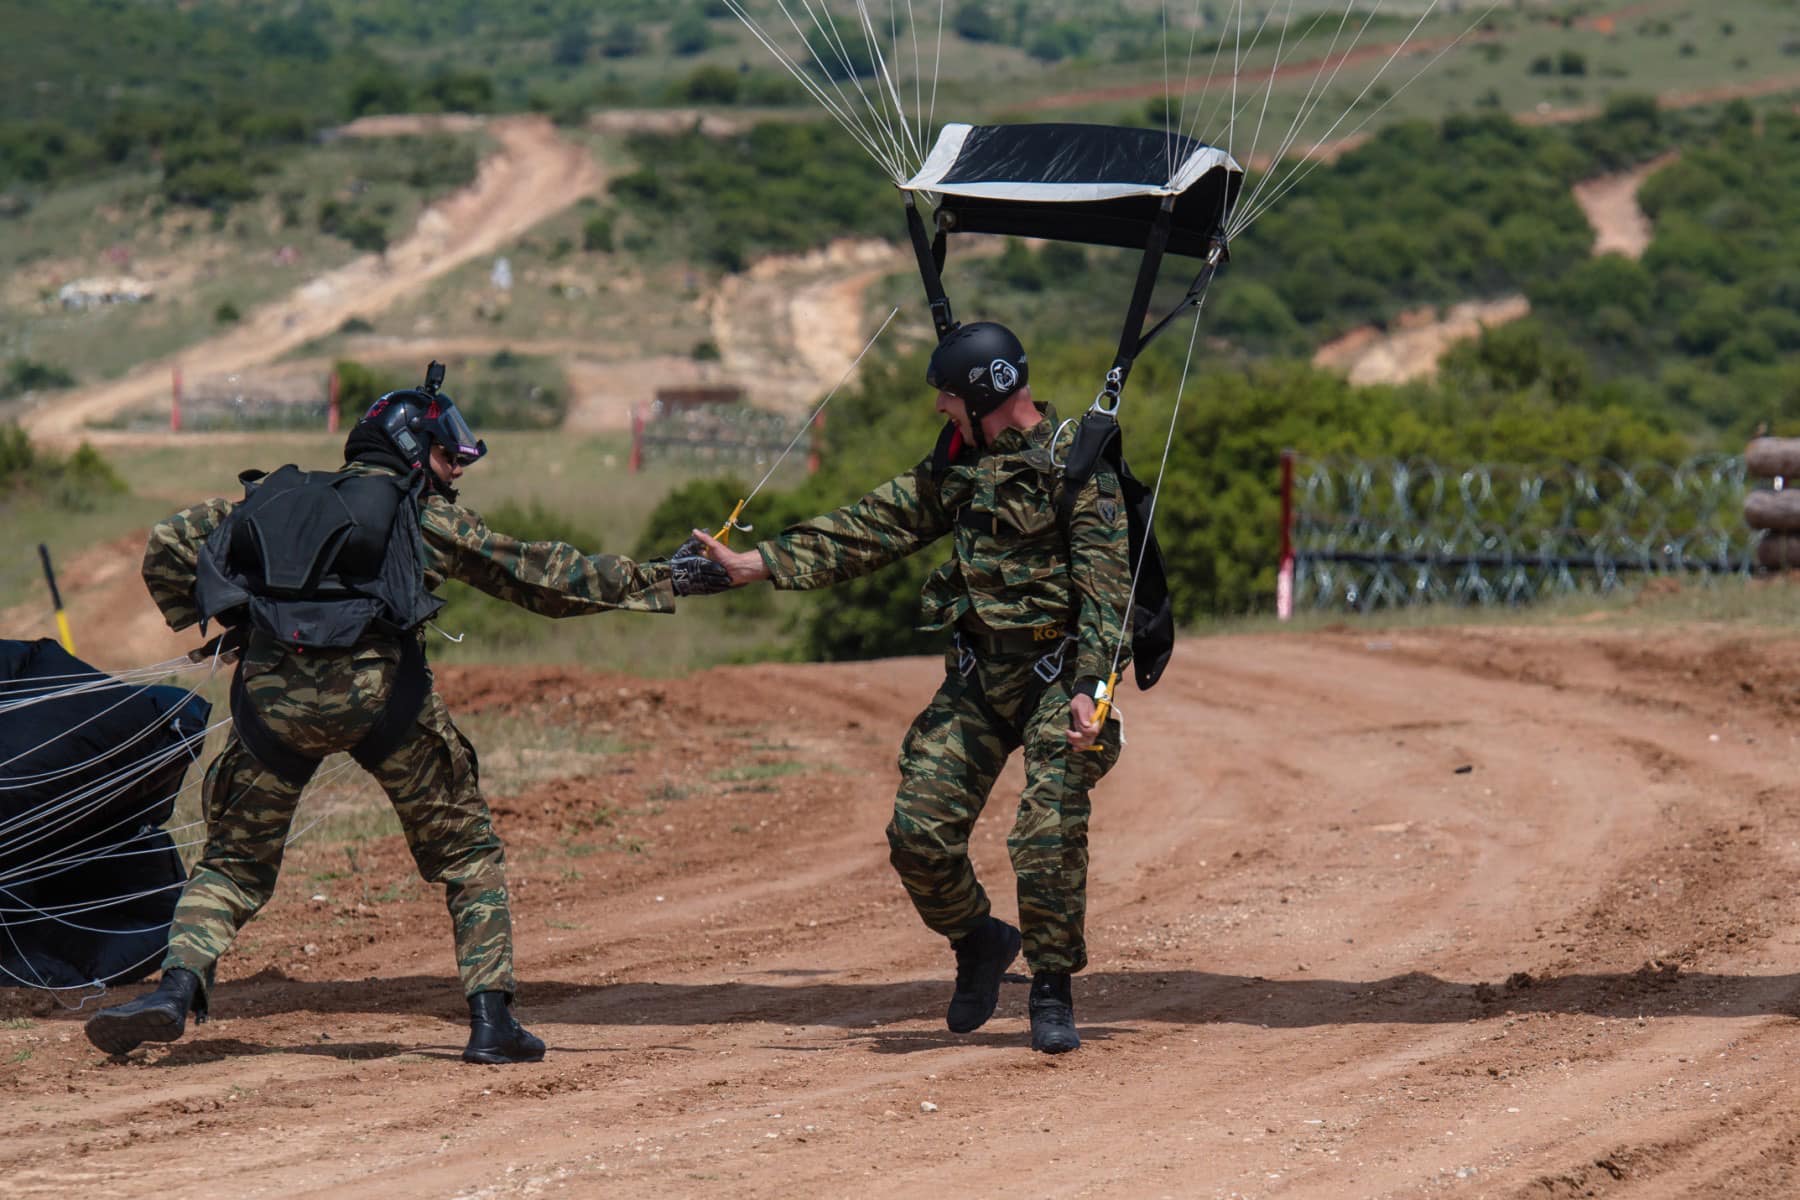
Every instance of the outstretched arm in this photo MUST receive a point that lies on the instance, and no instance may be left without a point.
(902, 515)
(551, 578)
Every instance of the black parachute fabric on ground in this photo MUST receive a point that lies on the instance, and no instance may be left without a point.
(88, 878)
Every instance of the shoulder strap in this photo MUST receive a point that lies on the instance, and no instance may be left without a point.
(1097, 440)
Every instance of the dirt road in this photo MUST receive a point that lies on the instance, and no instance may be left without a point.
(1470, 913)
(534, 175)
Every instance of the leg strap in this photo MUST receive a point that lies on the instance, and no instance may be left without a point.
(412, 685)
(292, 766)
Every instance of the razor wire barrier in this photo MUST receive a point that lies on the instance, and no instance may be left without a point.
(710, 427)
(1361, 535)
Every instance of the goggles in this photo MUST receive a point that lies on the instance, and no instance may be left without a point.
(457, 439)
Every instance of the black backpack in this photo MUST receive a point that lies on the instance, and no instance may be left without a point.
(318, 559)
(1097, 442)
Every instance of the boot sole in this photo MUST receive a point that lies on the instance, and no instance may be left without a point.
(1055, 1047)
(123, 1033)
(494, 1058)
(1014, 939)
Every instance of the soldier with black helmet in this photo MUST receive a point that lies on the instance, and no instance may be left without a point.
(1033, 597)
(324, 582)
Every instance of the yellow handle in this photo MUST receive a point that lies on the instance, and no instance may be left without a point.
(62, 631)
(724, 534)
(1102, 706)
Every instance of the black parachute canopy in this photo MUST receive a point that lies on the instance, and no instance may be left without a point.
(89, 771)
(1098, 184)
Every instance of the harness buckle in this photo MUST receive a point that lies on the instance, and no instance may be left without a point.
(1050, 667)
(965, 657)
(1107, 402)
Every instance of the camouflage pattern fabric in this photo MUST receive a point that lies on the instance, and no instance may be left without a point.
(949, 760)
(1020, 571)
(319, 704)
(1022, 574)
(553, 579)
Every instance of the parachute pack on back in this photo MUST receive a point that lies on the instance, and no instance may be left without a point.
(318, 559)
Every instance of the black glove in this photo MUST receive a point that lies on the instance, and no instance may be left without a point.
(697, 575)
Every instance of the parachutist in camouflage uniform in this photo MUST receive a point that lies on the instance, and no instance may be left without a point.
(294, 703)
(1034, 595)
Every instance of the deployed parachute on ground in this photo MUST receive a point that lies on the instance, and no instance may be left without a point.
(90, 768)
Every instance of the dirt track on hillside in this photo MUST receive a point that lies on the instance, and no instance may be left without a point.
(1472, 913)
(534, 175)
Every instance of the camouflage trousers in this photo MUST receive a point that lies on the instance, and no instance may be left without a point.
(949, 761)
(319, 704)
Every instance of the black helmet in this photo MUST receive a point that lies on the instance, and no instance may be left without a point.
(980, 364)
(415, 419)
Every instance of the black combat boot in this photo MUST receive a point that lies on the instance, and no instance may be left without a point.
(1052, 1013)
(158, 1017)
(495, 1035)
(982, 957)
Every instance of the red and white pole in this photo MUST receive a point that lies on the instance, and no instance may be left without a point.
(1284, 575)
(175, 398)
(637, 439)
(331, 407)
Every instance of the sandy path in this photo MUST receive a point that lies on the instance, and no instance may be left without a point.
(1328, 960)
(534, 175)
(1610, 204)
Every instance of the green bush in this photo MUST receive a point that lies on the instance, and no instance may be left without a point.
(597, 233)
(26, 375)
(76, 483)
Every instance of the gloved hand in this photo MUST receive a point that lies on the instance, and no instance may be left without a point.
(697, 575)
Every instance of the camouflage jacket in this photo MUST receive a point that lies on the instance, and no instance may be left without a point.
(551, 578)
(1012, 565)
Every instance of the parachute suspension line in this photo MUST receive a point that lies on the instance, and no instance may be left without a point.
(91, 682)
(1315, 94)
(880, 114)
(1156, 491)
(887, 76)
(33, 826)
(841, 108)
(937, 63)
(1168, 142)
(1312, 163)
(827, 26)
(1179, 124)
(1268, 90)
(46, 776)
(1262, 112)
(38, 815)
(39, 682)
(731, 522)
